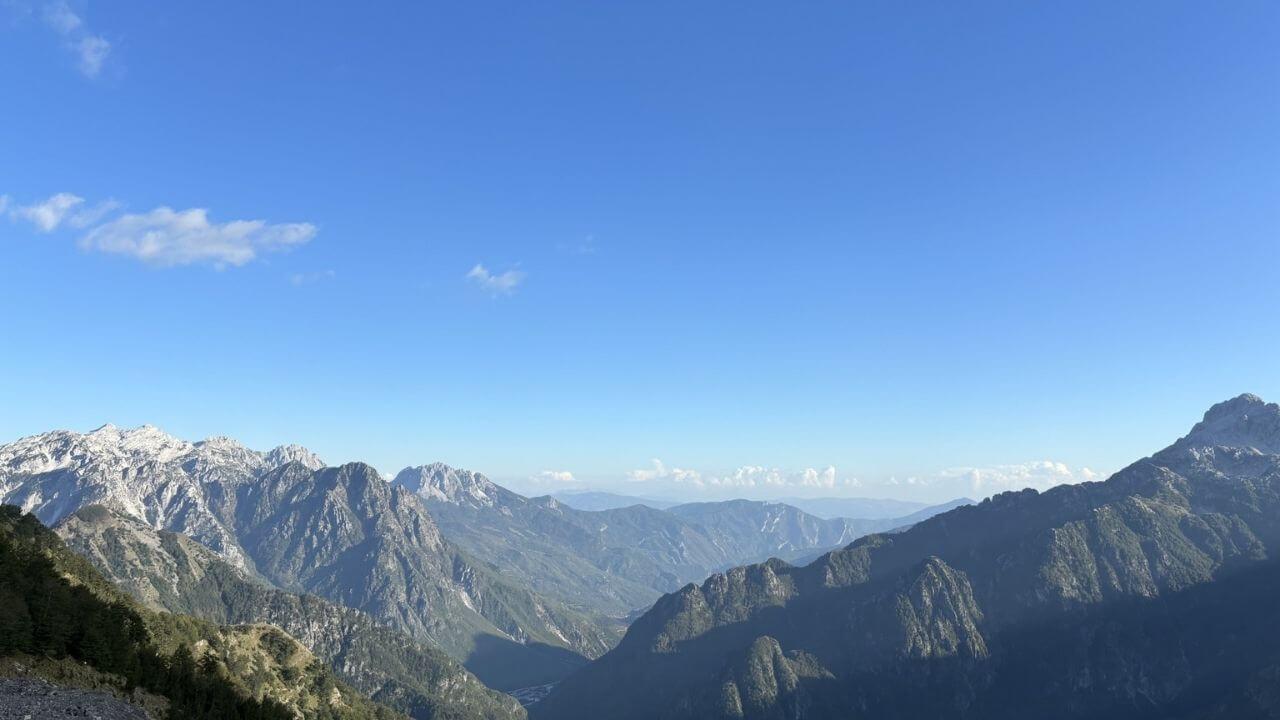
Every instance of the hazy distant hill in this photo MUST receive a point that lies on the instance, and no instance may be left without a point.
(1148, 595)
(760, 530)
(600, 500)
(864, 508)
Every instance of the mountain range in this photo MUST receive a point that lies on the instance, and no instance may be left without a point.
(522, 591)
(602, 500)
(331, 591)
(1151, 594)
(619, 560)
(342, 533)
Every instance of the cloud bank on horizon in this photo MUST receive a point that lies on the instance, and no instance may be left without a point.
(763, 482)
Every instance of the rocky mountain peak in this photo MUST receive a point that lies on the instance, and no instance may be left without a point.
(1245, 421)
(285, 454)
(441, 482)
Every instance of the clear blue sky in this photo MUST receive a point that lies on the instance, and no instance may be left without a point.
(893, 238)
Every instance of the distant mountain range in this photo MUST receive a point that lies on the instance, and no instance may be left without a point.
(854, 507)
(822, 507)
(1150, 595)
(620, 560)
(601, 500)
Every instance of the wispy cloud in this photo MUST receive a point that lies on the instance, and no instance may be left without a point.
(48, 215)
(91, 49)
(502, 284)
(85, 217)
(163, 237)
(300, 279)
(585, 246)
(60, 17)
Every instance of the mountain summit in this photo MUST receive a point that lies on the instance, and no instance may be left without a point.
(1245, 421)
(438, 481)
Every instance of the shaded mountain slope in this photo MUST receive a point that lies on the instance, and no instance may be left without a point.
(932, 620)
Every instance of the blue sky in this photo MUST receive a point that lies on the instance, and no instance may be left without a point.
(916, 243)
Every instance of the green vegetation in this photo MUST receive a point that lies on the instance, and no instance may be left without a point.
(172, 572)
(54, 604)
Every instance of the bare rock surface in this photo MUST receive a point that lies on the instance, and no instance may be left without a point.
(27, 698)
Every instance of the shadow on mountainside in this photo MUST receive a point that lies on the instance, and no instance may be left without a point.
(1211, 650)
(503, 664)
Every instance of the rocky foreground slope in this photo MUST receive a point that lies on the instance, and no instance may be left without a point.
(28, 698)
(55, 607)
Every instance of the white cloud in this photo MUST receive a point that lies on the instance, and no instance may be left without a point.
(47, 215)
(977, 482)
(91, 49)
(554, 477)
(644, 475)
(164, 238)
(1039, 474)
(503, 284)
